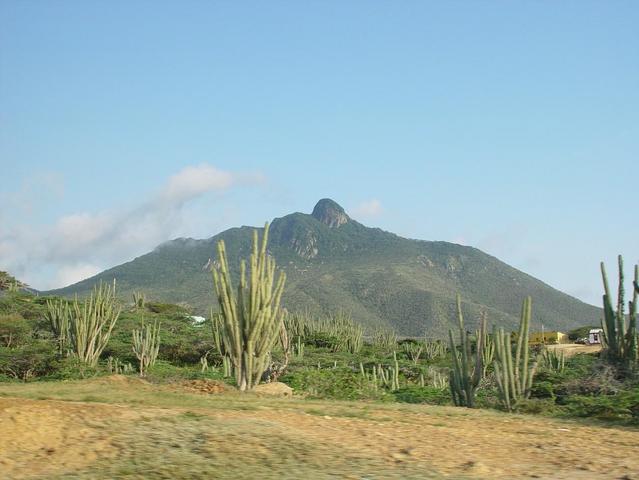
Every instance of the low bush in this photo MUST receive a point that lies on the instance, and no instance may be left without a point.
(35, 359)
(69, 368)
(417, 394)
(335, 383)
(537, 406)
(167, 309)
(605, 407)
(601, 380)
(14, 330)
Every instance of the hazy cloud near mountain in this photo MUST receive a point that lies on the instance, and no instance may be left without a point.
(367, 209)
(193, 181)
(81, 244)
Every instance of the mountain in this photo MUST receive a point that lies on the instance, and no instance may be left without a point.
(334, 262)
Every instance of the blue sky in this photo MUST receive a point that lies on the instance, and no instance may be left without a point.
(509, 126)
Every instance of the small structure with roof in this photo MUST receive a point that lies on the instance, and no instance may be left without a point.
(595, 336)
(547, 338)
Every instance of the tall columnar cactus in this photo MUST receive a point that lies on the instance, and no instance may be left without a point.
(385, 338)
(92, 322)
(515, 374)
(139, 299)
(58, 314)
(251, 313)
(553, 360)
(620, 341)
(342, 333)
(466, 372)
(434, 349)
(413, 351)
(217, 324)
(488, 353)
(146, 345)
(395, 372)
(276, 368)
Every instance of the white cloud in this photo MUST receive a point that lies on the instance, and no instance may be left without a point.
(79, 245)
(70, 274)
(194, 181)
(368, 208)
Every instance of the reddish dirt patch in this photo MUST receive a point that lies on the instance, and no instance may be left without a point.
(205, 386)
(40, 436)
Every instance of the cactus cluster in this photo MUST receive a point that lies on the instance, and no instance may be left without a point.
(434, 349)
(427, 349)
(227, 367)
(385, 376)
(204, 363)
(339, 330)
(58, 314)
(435, 378)
(467, 371)
(217, 325)
(298, 347)
(515, 373)
(83, 329)
(139, 299)
(116, 367)
(488, 351)
(92, 322)
(251, 313)
(413, 350)
(553, 360)
(620, 339)
(146, 345)
(385, 338)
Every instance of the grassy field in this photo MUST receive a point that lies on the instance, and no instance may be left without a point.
(123, 427)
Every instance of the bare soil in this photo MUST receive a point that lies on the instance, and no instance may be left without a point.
(131, 429)
(571, 349)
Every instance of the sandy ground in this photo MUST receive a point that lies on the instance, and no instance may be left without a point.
(162, 433)
(571, 349)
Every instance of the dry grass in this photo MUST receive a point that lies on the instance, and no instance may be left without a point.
(126, 428)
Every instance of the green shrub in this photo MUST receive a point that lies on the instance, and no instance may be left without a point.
(537, 406)
(183, 342)
(167, 309)
(321, 340)
(601, 380)
(163, 370)
(70, 368)
(631, 398)
(605, 407)
(543, 389)
(14, 330)
(335, 383)
(417, 394)
(35, 359)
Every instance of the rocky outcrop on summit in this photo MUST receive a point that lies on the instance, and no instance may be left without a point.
(330, 213)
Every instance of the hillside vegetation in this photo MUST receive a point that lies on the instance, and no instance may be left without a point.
(334, 263)
(188, 411)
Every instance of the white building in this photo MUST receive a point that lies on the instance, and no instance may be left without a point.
(595, 336)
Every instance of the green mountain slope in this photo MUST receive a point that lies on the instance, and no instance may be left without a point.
(334, 262)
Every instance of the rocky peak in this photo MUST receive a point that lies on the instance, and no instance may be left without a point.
(330, 213)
